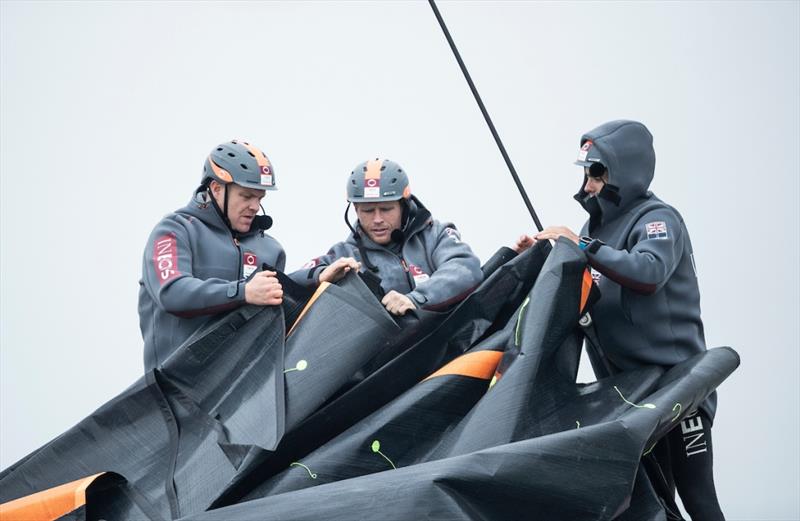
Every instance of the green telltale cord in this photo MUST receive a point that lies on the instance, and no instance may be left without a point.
(643, 406)
(376, 447)
(298, 464)
(301, 366)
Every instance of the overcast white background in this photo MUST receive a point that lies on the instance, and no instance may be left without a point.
(109, 109)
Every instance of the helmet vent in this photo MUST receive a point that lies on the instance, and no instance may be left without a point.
(353, 181)
(219, 149)
(244, 166)
(394, 180)
(383, 168)
(251, 154)
(231, 154)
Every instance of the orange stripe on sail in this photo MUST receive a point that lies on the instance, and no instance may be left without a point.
(322, 287)
(480, 364)
(49, 504)
(586, 288)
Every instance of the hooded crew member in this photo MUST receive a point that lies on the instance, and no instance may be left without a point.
(422, 263)
(642, 260)
(203, 259)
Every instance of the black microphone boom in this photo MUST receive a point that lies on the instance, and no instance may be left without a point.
(486, 116)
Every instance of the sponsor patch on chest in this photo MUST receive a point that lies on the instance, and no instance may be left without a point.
(596, 275)
(656, 230)
(418, 274)
(249, 263)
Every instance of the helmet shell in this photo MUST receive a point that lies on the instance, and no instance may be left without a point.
(240, 163)
(377, 180)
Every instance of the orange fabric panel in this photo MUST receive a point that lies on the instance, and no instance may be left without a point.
(49, 504)
(480, 364)
(314, 297)
(586, 287)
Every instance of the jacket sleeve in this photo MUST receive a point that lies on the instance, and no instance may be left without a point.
(655, 246)
(457, 271)
(167, 276)
(308, 275)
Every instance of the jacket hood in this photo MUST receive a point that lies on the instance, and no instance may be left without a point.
(625, 148)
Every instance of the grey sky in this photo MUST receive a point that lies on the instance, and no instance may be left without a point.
(109, 108)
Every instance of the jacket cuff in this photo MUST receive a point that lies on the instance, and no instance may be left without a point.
(417, 298)
(590, 245)
(236, 290)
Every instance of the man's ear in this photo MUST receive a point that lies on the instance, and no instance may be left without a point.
(216, 188)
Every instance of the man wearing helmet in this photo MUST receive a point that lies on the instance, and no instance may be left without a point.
(203, 259)
(420, 261)
(641, 257)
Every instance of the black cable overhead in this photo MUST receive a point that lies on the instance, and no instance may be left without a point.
(486, 116)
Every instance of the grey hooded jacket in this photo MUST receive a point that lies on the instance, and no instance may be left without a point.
(432, 266)
(641, 258)
(192, 269)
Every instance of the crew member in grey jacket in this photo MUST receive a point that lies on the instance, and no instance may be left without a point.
(641, 257)
(204, 258)
(421, 262)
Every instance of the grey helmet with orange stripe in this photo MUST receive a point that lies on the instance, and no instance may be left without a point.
(377, 180)
(240, 163)
(243, 164)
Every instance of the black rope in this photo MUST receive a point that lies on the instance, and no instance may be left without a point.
(486, 116)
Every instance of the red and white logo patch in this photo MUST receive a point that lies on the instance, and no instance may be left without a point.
(418, 274)
(372, 187)
(656, 230)
(249, 263)
(453, 234)
(584, 150)
(313, 263)
(165, 258)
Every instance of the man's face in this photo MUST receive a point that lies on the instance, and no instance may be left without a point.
(243, 204)
(594, 184)
(378, 220)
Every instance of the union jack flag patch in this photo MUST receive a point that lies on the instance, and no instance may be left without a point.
(656, 230)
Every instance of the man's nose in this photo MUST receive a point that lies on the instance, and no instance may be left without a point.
(378, 217)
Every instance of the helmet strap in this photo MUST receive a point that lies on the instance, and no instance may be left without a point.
(359, 242)
(223, 212)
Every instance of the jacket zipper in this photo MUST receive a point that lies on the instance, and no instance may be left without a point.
(408, 273)
(239, 250)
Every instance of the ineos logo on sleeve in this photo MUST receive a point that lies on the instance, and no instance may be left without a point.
(165, 258)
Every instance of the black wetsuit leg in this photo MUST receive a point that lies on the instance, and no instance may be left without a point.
(692, 467)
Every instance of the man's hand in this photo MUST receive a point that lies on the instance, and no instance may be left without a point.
(263, 289)
(554, 232)
(339, 269)
(523, 243)
(397, 303)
